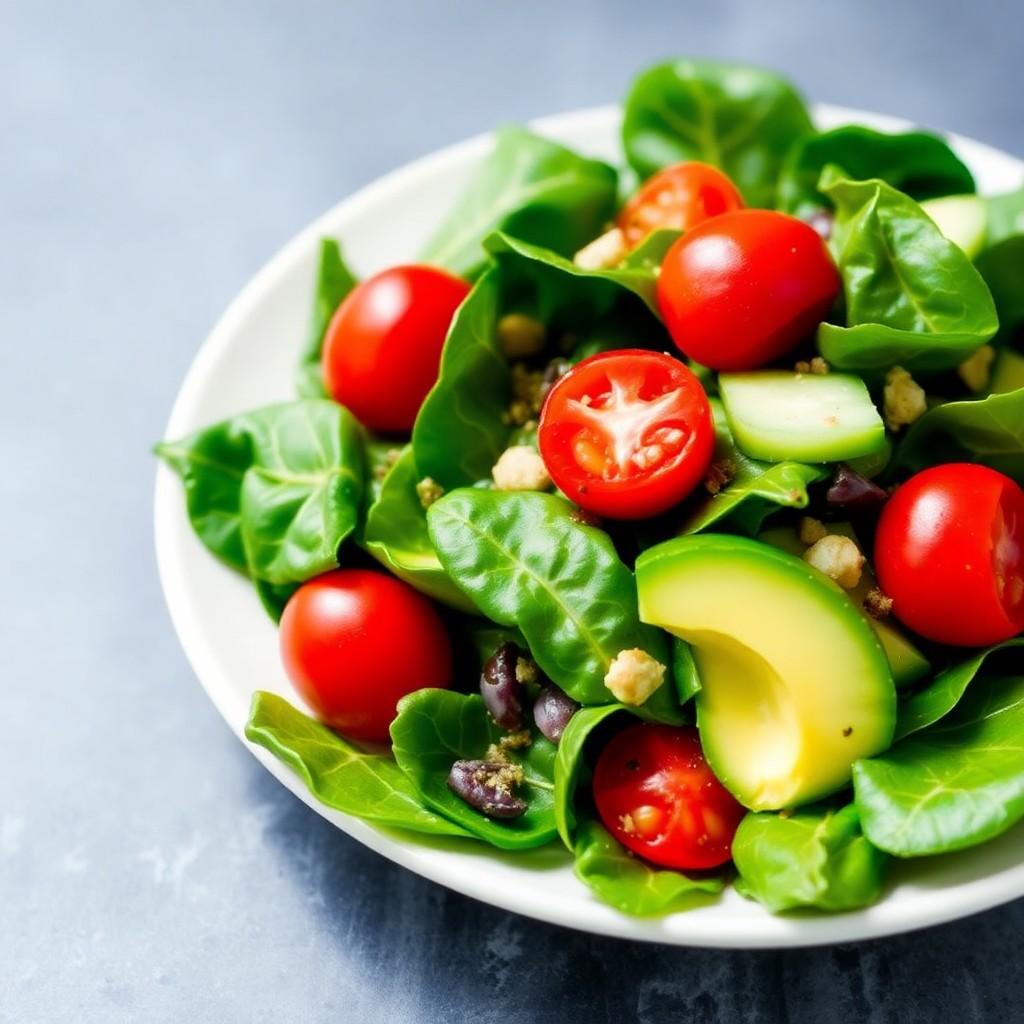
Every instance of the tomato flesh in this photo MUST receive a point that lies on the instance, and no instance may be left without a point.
(627, 434)
(949, 551)
(657, 795)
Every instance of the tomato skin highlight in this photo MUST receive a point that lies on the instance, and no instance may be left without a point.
(949, 551)
(657, 795)
(355, 641)
(740, 290)
(678, 197)
(627, 434)
(383, 345)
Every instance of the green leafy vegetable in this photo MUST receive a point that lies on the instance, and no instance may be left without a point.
(525, 562)
(333, 282)
(684, 670)
(532, 188)
(954, 785)
(369, 786)
(569, 764)
(630, 885)
(913, 298)
(988, 430)
(436, 728)
(274, 596)
(816, 857)
(1002, 268)
(918, 163)
(944, 692)
(396, 535)
(1005, 216)
(274, 492)
(740, 119)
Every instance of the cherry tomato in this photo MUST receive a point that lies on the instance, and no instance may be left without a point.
(383, 344)
(679, 197)
(627, 434)
(742, 289)
(354, 642)
(656, 794)
(949, 551)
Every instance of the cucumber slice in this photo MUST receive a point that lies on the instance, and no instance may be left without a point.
(778, 416)
(871, 465)
(1008, 373)
(962, 219)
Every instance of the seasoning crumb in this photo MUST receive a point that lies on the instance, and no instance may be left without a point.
(819, 366)
(720, 473)
(877, 604)
(526, 671)
(811, 530)
(385, 466)
(428, 490)
(904, 400)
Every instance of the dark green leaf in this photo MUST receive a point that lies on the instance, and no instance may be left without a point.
(532, 188)
(436, 728)
(629, 884)
(954, 785)
(740, 119)
(333, 282)
(816, 857)
(1005, 216)
(913, 298)
(684, 670)
(274, 596)
(918, 163)
(1002, 267)
(368, 786)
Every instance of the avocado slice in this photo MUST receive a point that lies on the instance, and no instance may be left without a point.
(795, 685)
(961, 219)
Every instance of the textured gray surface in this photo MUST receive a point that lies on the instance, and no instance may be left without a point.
(151, 158)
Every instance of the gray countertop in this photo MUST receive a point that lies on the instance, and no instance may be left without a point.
(152, 157)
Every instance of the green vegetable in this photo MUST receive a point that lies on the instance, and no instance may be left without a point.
(1007, 372)
(333, 282)
(525, 562)
(459, 432)
(368, 786)
(740, 119)
(944, 692)
(274, 492)
(816, 857)
(684, 670)
(913, 298)
(274, 596)
(569, 764)
(532, 188)
(961, 219)
(954, 785)
(1002, 267)
(629, 884)
(917, 163)
(436, 728)
(1005, 216)
(396, 535)
(988, 430)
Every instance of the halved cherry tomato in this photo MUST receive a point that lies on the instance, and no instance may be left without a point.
(627, 434)
(383, 344)
(656, 794)
(680, 197)
(949, 551)
(354, 642)
(740, 290)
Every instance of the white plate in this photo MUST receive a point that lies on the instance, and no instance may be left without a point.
(248, 360)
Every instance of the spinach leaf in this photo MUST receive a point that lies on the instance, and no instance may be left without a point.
(957, 784)
(459, 432)
(944, 692)
(740, 119)
(436, 728)
(988, 430)
(918, 163)
(569, 764)
(1005, 216)
(912, 297)
(396, 535)
(333, 282)
(753, 490)
(629, 884)
(274, 596)
(684, 670)
(367, 786)
(816, 857)
(525, 562)
(533, 188)
(1002, 268)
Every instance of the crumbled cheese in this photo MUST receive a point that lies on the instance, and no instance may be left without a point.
(526, 671)
(837, 557)
(520, 335)
(719, 474)
(520, 468)
(633, 676)
(904, 399)
(428, 490)
(976, 371)
(607, 250)
(811, 530)
(877, 604)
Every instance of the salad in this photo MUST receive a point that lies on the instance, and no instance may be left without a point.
(671, 512)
